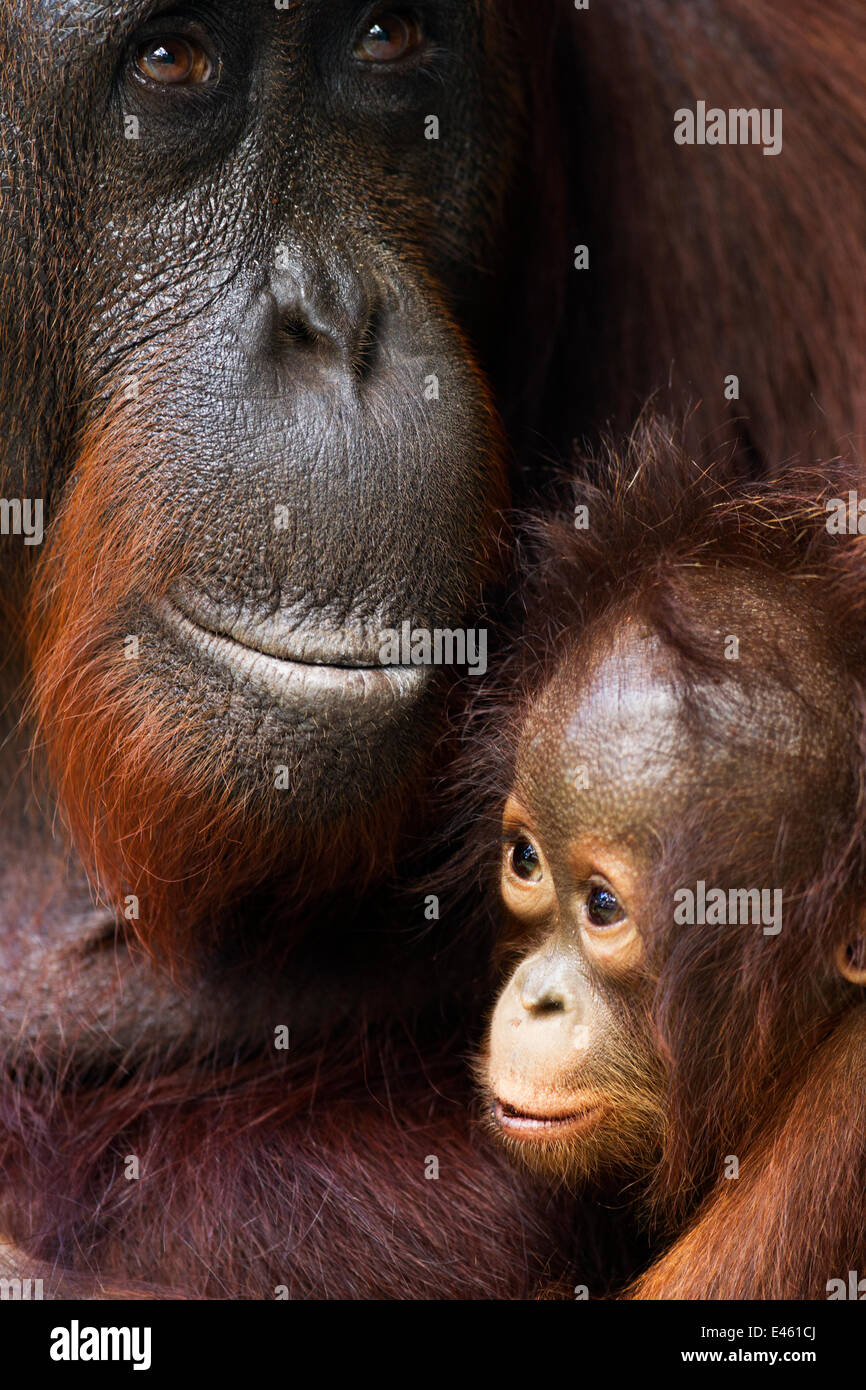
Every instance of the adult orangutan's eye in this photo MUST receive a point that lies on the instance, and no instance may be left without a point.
(175, 61)
(389, 38)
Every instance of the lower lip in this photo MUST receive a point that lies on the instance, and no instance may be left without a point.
(296, 683)
(534, 1129)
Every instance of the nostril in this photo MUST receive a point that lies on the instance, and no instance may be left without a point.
(550, 1006)
(364, 352)
(291, 328)
(549, 1002)
(358, 350)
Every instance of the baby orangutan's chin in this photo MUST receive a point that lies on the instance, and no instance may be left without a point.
(577, 1148)
(576, 1137)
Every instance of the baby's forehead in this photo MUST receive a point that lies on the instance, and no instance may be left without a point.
(603, 734)
(624, 737)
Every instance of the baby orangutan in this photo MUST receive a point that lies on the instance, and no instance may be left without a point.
(682, 871)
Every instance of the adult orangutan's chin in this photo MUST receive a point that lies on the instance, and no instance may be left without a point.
(189, 765)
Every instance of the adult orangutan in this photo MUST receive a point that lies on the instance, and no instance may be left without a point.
(288, 297)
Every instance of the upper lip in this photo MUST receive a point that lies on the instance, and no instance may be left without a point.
(539, 1122)
(298, 679)
(292, 634)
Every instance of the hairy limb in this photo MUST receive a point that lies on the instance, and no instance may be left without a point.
(784, 1228)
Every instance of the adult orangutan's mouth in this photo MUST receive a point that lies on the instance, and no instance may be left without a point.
(294, 682)
(530, 1127)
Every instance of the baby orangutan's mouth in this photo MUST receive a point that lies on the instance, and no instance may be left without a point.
(530, 1127)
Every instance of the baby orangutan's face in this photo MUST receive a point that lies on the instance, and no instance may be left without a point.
(573, 1086)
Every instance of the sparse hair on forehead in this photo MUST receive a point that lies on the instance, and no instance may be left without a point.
(693, 557)
(680, 548)
(653, 536)
(659, 538)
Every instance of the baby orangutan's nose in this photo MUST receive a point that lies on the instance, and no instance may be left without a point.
(546, 985)
(540, 1024)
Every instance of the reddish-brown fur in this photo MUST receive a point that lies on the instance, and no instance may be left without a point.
(279, 1176)
(716, 260)
(794, 1218)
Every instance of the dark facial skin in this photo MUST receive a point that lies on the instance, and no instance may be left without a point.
(276, 266)
(280, 261)
(608, 769)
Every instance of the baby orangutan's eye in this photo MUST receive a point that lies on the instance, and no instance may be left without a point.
(525, 862)
(603, 907)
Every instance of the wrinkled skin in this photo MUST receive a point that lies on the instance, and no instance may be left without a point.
(286, 365)
(264, 367)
